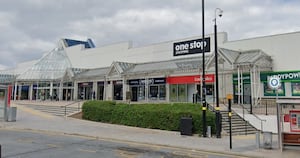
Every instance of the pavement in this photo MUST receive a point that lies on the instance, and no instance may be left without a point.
(242, 146)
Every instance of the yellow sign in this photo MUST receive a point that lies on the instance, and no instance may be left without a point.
(229, 96)
(229, 114)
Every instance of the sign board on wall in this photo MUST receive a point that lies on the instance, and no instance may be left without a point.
(191, 47)
(295, 120)
(209, 78)
(149, 81)
(287, 76)
(245, 77)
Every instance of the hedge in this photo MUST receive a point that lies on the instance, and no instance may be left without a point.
(157, 116)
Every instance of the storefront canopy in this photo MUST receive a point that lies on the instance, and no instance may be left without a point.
(246, 59)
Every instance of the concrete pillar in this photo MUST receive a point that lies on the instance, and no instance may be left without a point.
(15, 91)
(30, 91)
(146, 89)
(60, 91)
(125, 88)
(51, 89)
(75, 94)
(20, 92)
(168, 92)
(109, 91)
(94, 90)
(105, 89)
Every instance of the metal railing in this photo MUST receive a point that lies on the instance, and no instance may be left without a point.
(269, 107)
(72, 103)
(257, 117)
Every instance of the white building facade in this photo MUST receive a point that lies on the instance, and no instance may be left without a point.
(163, 72)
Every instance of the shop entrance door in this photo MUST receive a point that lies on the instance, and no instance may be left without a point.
(100, 92)
(247, 94)
(134, 93)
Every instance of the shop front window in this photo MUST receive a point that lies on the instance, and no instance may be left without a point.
(268, 91)
(295, 88)
(153, 94)
(118, 92)
(162, 92)
(141, 93)
(157, 92)
(173, 92)
(182, 93)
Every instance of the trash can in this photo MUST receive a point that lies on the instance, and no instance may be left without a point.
(267, 140)
(186, 126)
(11, 114)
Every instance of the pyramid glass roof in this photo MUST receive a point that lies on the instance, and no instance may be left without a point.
(51, 66)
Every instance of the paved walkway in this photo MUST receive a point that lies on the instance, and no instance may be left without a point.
(242, 145)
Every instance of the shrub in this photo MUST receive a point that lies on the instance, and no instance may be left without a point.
(156, 116)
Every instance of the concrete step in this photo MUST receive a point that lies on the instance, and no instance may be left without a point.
(54, 110)
(238, 125)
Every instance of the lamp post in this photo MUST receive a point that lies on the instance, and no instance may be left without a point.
(203, 77)
(217, 108)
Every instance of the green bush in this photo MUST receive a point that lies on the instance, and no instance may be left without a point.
(156, 116)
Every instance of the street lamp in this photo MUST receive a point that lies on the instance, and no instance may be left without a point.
(204, 130)
(218, 12)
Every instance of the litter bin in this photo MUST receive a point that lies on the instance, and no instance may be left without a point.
(11, 114)
(186, 126)
(267, 140)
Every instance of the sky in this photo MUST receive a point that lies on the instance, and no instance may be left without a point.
(30, 28)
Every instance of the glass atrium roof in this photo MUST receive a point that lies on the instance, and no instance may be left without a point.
(52, 66)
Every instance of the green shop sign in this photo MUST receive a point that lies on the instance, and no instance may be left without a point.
(246, 78)
(284, 76)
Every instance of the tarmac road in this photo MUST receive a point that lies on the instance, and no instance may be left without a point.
(159, 143)
(37, 144)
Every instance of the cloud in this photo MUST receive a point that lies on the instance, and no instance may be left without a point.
(30, 28)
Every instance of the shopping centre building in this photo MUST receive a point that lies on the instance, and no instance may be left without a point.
(163, 72)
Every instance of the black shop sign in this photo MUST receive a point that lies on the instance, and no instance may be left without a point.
(149, 81)
(191, 47)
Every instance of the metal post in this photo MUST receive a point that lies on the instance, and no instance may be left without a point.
(218, 119)
(203, 76)
(78, 106)
(251, 112)
(229, 117)
(278, 121)
(266, 107)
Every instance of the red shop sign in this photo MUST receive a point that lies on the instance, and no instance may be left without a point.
(209, 78)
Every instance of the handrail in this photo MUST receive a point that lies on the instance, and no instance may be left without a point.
(261, 120)
(65, 106)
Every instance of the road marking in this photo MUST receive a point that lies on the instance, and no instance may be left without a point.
(25, 140)
(35, 112)
(54, 145)
(127, 154)
(87, 150)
